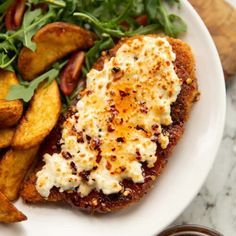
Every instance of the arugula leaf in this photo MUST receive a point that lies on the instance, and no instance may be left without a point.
(173, 2)
(178, 25)
(100, 26)
(144, 30)
(172, 24)
(29, 18)
(5, 60)
(26, 91)
(59, 3)
(125, 12)
(93, 54)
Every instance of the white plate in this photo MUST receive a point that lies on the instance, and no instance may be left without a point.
(182, 178)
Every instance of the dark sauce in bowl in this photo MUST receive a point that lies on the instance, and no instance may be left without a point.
(189, 230)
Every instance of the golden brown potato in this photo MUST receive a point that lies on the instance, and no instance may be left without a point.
(6, 136)
(40, 118)
(54, 41)
(7, 79)
(8, 212)
(13, 168)
(10, 111)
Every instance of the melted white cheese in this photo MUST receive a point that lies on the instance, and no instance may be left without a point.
(117, 125)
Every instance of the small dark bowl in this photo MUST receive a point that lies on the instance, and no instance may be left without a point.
(189, 230)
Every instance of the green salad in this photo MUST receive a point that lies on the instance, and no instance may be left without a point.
(110, 20)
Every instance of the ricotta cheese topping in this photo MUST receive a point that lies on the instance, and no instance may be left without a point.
(118, 121)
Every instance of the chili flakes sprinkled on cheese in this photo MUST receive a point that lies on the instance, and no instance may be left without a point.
(118, 121)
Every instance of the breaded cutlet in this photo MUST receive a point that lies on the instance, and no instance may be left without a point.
(180, 110)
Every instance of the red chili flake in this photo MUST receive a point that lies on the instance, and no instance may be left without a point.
(85, 175)
(113, 112)
(80, 137)
(122, 168)
(108, 165)
(66, 155)
(164, 87)
(117, 73)
(138, 155)
(99, 156)
(113, 108)
(155, 137)
(95, 167)
(88, 137)
(138, 127)
(110, 128)
(73, 167)
(115, 69)
(170, 93)
(113, 149)
(155, 126)
(176, 69)
(113, 158)
(123, 93)
(112, 93)
(120, 140)
(95, 143)
(144, 109)
(108, 85)
(74, 129)
(158, 65)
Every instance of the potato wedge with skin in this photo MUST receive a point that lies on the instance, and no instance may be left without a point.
(8, 212)
(54, 41)
(7, 79)
(40, 118)
(6, 136)
(13, 168)
(10, 111)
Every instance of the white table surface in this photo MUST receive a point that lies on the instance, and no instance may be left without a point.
(215, 204)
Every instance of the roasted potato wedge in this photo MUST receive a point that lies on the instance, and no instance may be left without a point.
(54, 41)
(10, 111)
(7, 79)
(40, 118)
(13, 168)
(6, 136)
(8, 212)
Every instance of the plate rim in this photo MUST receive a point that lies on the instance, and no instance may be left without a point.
(222, 118)
(221, 121)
